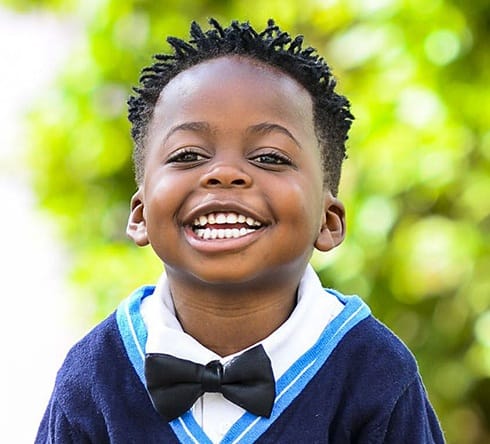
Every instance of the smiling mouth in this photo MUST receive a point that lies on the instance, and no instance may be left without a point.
(224, 226)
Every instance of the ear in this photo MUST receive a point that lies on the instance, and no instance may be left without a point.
(136, 229)
(332, 231)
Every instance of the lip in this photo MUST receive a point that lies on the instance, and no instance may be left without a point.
(209, 246)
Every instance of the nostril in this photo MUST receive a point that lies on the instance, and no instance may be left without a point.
(226, 176)
(213, 181)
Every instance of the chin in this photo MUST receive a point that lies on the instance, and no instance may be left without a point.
(246, 279)
(226, 279)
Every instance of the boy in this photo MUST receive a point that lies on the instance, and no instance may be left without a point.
(239, 140)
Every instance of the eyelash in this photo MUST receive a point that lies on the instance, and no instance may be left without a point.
(279, 159)
(179, 156)
(274, 158)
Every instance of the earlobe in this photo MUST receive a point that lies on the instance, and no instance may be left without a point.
(332, 231)
(136, 228)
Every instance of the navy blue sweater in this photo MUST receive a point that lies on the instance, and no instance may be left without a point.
(358, 384)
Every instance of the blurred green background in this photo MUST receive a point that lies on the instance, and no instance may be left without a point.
(416, 185)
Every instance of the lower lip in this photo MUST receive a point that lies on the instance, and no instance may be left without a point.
(221, 245)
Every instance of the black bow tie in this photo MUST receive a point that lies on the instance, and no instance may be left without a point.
(175, 384)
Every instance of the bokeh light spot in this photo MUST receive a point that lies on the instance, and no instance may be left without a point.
(442, 46)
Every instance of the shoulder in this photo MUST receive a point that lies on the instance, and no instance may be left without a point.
(373, 352)
(100, 339)
(97, 338)
(369, 343)
(89, 360)
(81, 386)
(372, 337)
(107, 348)
(96, 387)
(372, 366)
(377, 388)
(366, 387)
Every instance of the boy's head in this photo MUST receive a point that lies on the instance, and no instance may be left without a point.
(233, 133)
(332, 118)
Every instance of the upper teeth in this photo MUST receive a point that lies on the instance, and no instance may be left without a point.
(225, 218)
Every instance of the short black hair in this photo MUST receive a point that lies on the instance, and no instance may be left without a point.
(331, 111)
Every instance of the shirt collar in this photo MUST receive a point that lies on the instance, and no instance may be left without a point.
(315, 308)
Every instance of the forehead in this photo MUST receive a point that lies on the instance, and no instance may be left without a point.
(224, 87)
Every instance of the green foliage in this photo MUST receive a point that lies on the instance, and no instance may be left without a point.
(416, 186)
(27, 5)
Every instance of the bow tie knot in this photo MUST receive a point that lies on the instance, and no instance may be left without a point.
(175, 384)
(211, 377)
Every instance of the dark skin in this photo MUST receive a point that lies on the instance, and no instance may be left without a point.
(234, 139)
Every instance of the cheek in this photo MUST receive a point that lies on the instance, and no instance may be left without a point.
(165, 186)
(161, 202)
(302, 202)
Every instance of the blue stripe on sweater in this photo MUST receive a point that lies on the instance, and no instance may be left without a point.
(133, 330)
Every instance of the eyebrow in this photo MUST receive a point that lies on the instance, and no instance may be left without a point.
(260, 128)
(197, 127)
(268, 127)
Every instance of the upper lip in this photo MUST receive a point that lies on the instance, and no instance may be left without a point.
(221, 206)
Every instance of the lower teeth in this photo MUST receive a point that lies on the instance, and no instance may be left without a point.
(222, 233)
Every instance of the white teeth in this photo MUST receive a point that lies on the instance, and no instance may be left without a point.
(221, 218)
(222, 233)
(231, 218)
(224, 218)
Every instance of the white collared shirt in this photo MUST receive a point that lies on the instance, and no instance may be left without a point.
(315, 308)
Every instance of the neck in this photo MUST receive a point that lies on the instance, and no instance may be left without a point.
(228, 319)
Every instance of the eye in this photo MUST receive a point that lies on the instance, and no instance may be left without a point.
(186, 155)
(271, 158)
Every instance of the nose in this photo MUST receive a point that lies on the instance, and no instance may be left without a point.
(226, 176)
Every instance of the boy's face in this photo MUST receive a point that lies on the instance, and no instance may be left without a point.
(233, 187)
